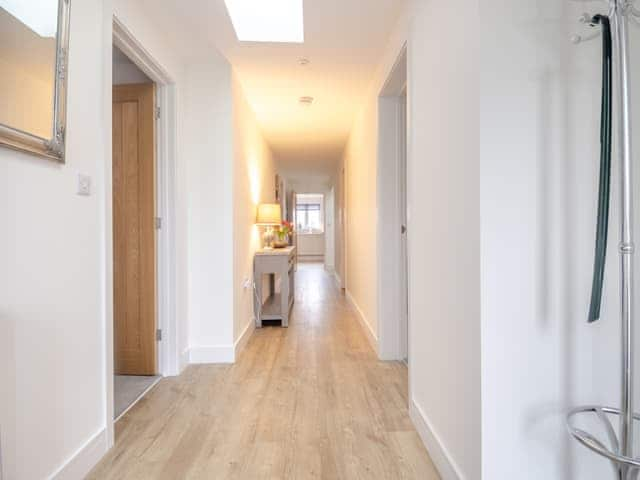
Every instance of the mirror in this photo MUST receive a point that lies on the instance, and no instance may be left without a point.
(33, 54)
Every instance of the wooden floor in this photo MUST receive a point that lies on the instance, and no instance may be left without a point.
(306, 402)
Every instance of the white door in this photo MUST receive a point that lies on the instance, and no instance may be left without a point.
(402, 178)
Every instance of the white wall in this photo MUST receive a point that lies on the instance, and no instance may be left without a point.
(444, 234)
(254, 183)
(55, 295)
(124, 72)
(311, 245)
(51, 300)
(340, 222)
(444, 224)
(360, 198)
(499, 346)
(540, 114)
(210, 180)
(310, 182)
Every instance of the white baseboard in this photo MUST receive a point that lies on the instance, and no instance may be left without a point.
(212, 354)
(84, 459)
(221, 353)
(244, 337)
(437, 451)
(373, 340)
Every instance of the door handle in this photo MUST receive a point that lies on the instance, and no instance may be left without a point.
(403, 229)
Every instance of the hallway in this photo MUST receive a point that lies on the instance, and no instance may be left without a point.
(159, 158)
(310, 401)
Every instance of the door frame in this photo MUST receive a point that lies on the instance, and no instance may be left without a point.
(343, 227)
(390, 294)
(403, 214)
(167, 360)
(330, 230)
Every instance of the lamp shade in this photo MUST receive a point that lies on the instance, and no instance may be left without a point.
(269, 214)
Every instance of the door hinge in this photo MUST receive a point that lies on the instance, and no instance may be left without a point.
(159, 335)
(158, 222)
(157, 113)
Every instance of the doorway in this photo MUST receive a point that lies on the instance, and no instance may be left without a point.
(392, 223)
(168, 360)
(330, 232)
(341, 231)
(134, 233)
(403, 215)
(310, 227)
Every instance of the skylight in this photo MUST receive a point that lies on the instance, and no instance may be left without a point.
(267, 20)
(39, 15)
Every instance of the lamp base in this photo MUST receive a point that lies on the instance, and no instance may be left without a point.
(267, 239)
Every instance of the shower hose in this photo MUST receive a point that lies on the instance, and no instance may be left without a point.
(605, 171)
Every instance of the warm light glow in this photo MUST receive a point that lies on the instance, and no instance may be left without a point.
(41, 16)
(256, 241)
(267, 20)
(268, 214)
(254, 183)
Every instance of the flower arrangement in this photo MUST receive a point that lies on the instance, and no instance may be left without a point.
(284, 230)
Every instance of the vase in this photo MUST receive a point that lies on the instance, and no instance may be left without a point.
(281, 242)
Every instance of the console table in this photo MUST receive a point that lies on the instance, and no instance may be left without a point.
(272, 262)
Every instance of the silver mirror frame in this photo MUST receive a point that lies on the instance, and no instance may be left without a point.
(54, 147)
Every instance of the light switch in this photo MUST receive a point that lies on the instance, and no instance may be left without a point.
(84, 185)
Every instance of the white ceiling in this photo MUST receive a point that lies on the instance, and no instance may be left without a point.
(344, 40)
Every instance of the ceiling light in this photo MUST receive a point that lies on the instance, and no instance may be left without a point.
(306, 100)
(304, 61)
(267, 20)
(40, 16)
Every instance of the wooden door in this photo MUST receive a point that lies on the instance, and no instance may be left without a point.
(134, 243)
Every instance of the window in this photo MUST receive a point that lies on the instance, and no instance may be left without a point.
(309, 214)
(308, 217)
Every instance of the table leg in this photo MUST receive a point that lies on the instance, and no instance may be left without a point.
(258, 300)
(284, 298)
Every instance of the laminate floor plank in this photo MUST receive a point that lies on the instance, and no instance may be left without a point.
(308, 402)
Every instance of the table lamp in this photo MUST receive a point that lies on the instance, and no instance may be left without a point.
(268, 215)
